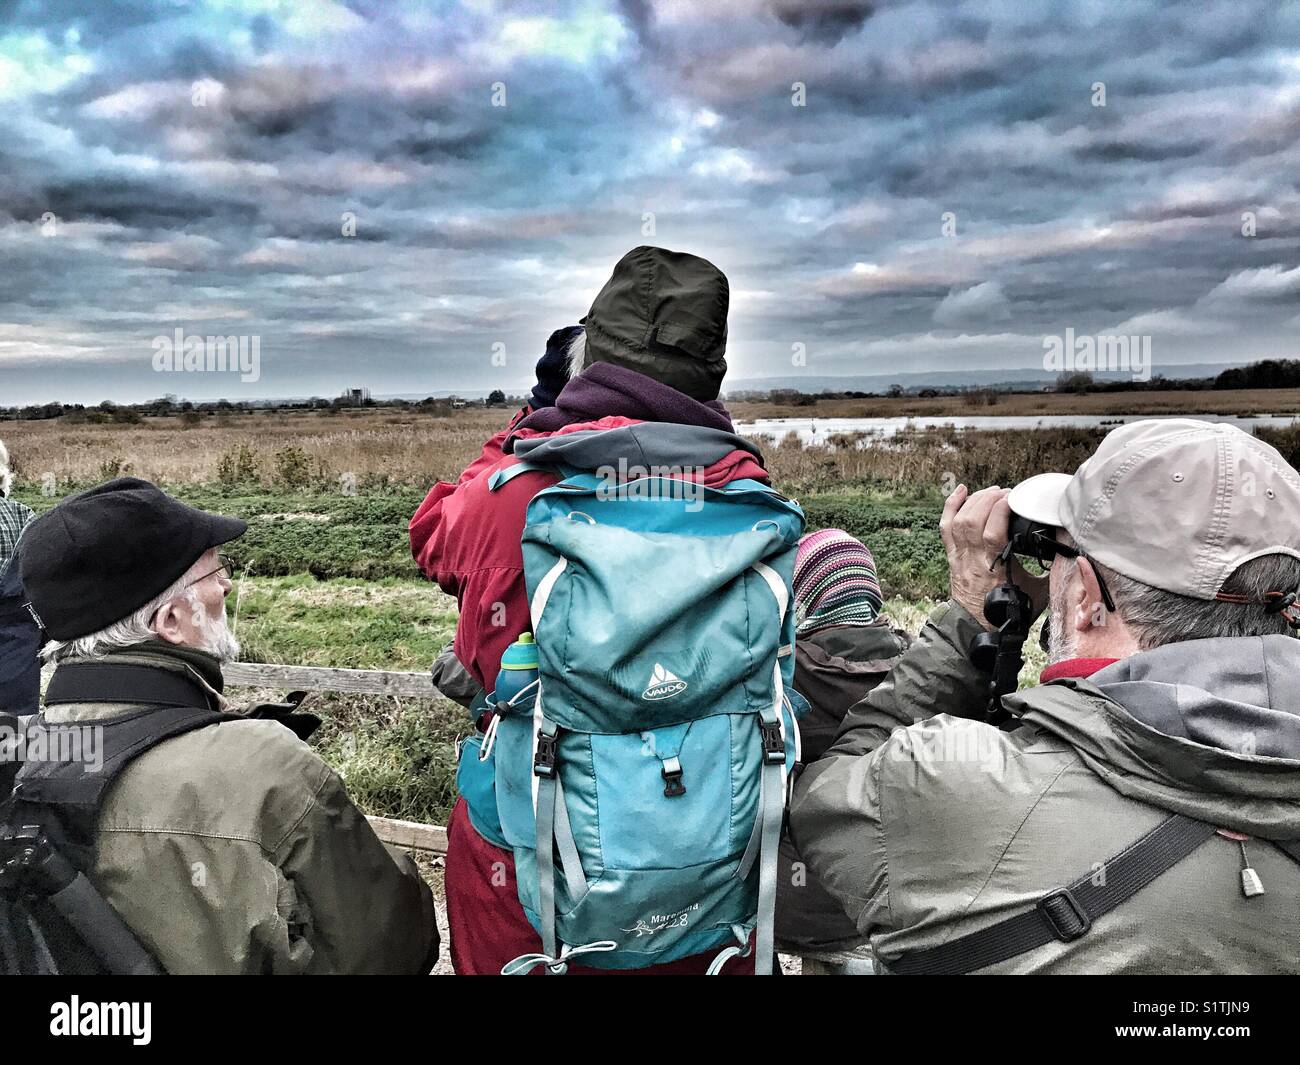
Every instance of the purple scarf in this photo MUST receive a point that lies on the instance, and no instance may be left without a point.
(604, 390)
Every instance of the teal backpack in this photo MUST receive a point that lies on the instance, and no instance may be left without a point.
(641, 780)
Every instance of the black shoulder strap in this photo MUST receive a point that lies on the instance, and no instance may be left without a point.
(1289, 847)
(120, 682)
(63, 789)
(1068, 913)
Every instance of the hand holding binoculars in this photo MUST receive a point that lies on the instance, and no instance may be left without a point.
(1008, 607)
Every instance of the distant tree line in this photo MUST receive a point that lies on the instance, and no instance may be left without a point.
(1267, 373)
(190, 413)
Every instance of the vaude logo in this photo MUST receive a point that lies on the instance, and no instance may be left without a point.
(663, 684)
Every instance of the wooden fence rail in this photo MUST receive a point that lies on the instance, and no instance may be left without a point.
(410, 834)
(321, 679)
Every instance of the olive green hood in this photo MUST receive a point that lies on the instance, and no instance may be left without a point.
(663, 314)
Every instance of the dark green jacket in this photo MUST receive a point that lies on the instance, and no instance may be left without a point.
(235, 849)
(927, 826)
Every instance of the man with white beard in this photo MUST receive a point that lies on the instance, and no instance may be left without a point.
(221, 839)
(1140, 810)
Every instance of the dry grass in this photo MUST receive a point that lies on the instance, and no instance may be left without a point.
(387, 447)
(939, 459)
(399, 447)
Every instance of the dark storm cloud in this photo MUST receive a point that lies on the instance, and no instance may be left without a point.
(946, 194)
(823, 20)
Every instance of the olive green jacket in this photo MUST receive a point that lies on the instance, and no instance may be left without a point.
(235, 849)
(927, 825)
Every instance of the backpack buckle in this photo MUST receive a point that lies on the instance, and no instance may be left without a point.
(544, 759)
(1067, 919)
(672, 774)
(773, 742)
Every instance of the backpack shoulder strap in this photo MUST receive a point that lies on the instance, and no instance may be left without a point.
(64, 794)
(509, 473)
(121, 682)
(1068, 913)
(1289, 847)
(53, 811)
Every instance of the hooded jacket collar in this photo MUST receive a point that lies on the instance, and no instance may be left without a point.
(199, 667)
(874, 645)
(1206, 728)
(642, 445)
(603, 389)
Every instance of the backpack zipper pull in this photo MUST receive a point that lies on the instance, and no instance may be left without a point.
(1251, 885)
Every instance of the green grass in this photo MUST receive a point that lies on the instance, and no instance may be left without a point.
(319, 533)
(383, 624)
(903, 537)
(397, 755)
(330, 535)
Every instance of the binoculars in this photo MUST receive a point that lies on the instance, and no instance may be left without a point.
(1000, 654)
(1030, 539)
(33, 873)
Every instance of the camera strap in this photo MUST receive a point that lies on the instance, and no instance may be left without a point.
(1068, 913)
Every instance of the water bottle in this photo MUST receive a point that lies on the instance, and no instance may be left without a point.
(518, 671)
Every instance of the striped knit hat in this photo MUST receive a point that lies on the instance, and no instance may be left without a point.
(835, 581)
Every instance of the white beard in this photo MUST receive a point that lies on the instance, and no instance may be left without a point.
(215, 637)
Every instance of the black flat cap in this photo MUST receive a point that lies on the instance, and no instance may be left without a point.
(664, 314)
(102, 554)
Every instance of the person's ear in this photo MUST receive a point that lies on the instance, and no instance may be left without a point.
(1088, 609)
(167, 622)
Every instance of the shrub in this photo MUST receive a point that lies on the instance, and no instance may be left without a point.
(239, 465)
(292, 467)
(116, 466)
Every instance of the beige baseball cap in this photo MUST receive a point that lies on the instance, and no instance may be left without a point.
(1175, 503)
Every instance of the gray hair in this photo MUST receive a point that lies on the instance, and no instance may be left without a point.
(6, 477)
(576, 354)
(125, 633)
(1158, 617)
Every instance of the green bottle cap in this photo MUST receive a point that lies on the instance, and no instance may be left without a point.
(522, 654)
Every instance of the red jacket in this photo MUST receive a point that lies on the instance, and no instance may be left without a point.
(468, 540)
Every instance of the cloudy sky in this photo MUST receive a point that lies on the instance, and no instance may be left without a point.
(192, 165)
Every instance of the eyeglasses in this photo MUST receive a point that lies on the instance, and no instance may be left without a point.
(227, 567)
(1045, 548)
